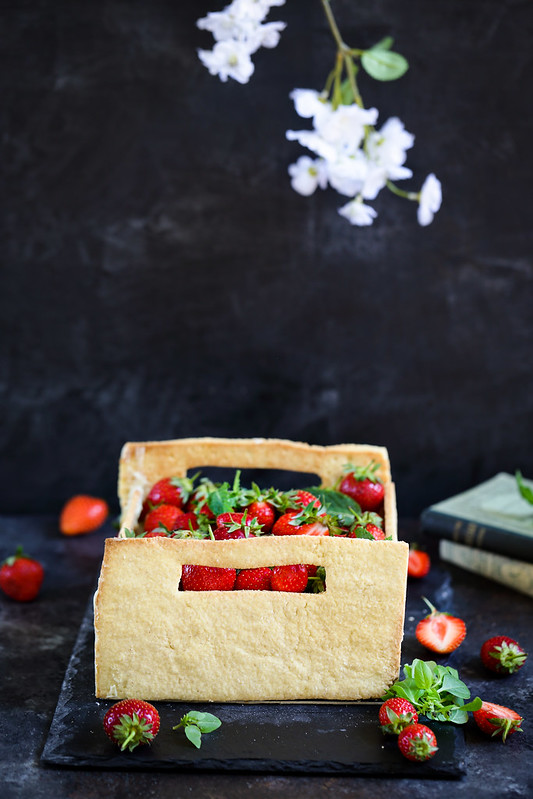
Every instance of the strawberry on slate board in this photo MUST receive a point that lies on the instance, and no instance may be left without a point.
(497, 720)
(21, 576)
(417, 742)
(502, 655)
(395, 714)
(419, 563)
(440, 632)
(131, 722)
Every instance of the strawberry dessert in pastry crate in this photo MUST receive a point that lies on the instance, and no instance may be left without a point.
(156, 641)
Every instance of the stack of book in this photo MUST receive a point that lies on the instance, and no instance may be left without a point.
(487, 530)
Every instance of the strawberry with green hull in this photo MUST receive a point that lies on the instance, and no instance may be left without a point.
(362, 484)
(164, 516)
(21, 577)
(235, 526)
(417, 743)
(440, 632)
(171, 491)
(502, 655)
(308, 521)
(497, 720)
(395, 714)
(131, 722)
(368, 525)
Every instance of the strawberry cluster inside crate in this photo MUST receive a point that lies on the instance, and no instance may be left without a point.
(155, 641)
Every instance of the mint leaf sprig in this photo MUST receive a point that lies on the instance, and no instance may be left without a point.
(195, 723)
(436, 691)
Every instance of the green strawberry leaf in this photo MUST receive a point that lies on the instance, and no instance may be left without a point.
(206, 722)
(219, 500)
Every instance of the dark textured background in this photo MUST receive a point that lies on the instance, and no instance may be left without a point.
(161, 279)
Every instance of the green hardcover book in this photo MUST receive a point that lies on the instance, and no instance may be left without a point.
(515, 574)
(491, 516)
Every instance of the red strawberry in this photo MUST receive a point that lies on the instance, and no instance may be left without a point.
(207, 578)
(236, 525)
(254, 579)
(303, 498)
(82, 514)
(289, 578)
(395, 714)
(417, 742)
(503, 655)
(293, 523)
(186, 521)
(440, 632)
(232, 517)
(368, 530)
(363, 486)
(170, 491)
(419, 563)
(263, 512)
(164, 516)
(131, 722)
(21, 576)
(497, 720)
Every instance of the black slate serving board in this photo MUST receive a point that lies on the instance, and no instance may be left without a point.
(282, 738)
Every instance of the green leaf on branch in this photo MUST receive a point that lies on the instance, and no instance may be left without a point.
(383, 44)
(525, 491)
(383, 64)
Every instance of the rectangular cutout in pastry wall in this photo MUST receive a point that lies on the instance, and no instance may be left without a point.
(282, 479)
(298, 578)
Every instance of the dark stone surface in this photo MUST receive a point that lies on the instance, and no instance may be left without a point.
(37, 639)
(161, 279)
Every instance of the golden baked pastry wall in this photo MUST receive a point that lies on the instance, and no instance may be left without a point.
(155, 642)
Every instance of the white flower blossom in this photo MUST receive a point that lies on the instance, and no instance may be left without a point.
(430, 200)
(357, 213)
(228, 59)
(344, 127)
(307, 102)
(347, 173)
(307, 174)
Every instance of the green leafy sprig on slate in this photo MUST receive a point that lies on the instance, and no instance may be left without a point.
(435, 691)
(195, 723)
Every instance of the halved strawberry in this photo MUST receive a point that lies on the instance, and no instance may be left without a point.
(440, 632)
(395, 714)
(503, 655)
(289, 578)
(305, 522)
(497, 720)
(254, 579)
(207, 578)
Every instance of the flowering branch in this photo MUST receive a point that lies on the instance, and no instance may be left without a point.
(353, 157)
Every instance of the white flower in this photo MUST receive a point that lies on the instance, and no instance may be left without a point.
(347, 173)
(228, 59)
(430, 199)
(255, 10)
(306, 174)
(357, 213)
(307, 102)
(314, 142)
(223, 25)
(344, 127)
(266, 35)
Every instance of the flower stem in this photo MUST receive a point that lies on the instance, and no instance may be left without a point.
(408, 195)
(344, 52)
